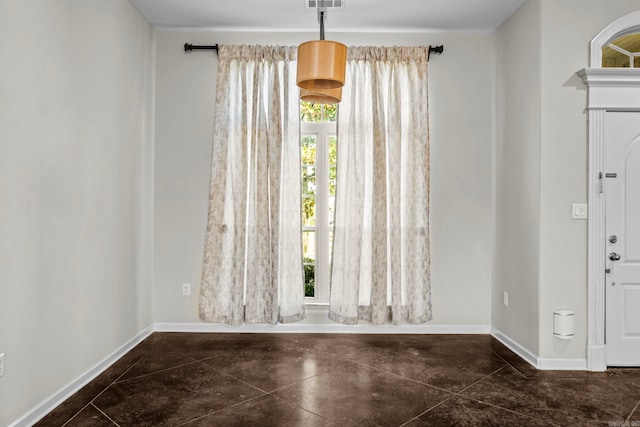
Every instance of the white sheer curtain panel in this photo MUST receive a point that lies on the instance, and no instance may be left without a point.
(381, 258)
(252, 269)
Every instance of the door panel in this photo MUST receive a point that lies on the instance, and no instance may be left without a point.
(622, 192)
(632, 203)
(632, 313)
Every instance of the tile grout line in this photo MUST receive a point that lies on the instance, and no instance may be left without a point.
(402, 377)
(510, 364)
(508, 410)
(107, 416)
(480, 380)
(632, 412)
(193, 361)
(90, 403)
(293, 405)
(450, 393)
(270, 393)
(221, 372)
(220, 410)
(76, 414)
(459, 394)
(428, 410)
(265, 393)
(231, 376)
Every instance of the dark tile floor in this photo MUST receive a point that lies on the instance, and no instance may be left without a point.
(175, 379)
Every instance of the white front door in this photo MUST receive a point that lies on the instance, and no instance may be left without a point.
(622, 192)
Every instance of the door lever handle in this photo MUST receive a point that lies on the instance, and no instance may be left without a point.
(614, 256)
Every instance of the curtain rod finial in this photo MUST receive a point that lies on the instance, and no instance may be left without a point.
(435, 49)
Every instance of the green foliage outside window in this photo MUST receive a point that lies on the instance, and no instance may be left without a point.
(318, 112)
(309, 277)
(308, 181)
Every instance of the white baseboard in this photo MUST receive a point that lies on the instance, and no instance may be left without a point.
(538, 362)
(37, 413)
(562, 364)
(512, 345)
(311, 326)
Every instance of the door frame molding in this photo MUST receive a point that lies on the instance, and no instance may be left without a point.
(609, 89)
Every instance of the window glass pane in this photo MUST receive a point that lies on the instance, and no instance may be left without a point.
(611, 58)
(308, 150)
(308, 211)
(330, 112)
(309, 245)
(332, 177)
(310, 112)
(333, 146)
(620, 52)
(309, 255)
(308, 180)
(309, 280)
(317, 113)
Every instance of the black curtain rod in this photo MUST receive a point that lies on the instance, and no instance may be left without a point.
(189, 47)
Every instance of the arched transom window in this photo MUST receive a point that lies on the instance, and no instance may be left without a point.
(618, 44)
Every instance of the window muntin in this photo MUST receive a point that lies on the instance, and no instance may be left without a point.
(623, 52)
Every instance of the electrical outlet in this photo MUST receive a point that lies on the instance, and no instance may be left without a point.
(1, 364)
(505, 298)
(186, 289)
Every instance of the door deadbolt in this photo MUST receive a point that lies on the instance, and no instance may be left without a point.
(614, 256)
(613, 238)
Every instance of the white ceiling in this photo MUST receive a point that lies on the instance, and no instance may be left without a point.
(356, 15)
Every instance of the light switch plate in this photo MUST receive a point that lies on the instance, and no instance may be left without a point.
(579, 211)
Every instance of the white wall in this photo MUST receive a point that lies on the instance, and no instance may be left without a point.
(541, 254)
(568, 27)
(518, 178)
(75, 200)
(461, 94)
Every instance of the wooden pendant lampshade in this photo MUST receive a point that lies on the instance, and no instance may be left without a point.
(321, 65)
(322, 96)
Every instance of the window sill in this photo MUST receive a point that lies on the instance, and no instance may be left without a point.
(316, 308)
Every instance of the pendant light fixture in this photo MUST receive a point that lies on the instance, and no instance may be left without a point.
(321, 96)
(322, 66)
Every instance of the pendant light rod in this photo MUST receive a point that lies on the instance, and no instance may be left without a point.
(322, 24)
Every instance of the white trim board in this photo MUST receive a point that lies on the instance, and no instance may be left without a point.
(543, 364)
(321, 327)
(49, 404)
(512, 345)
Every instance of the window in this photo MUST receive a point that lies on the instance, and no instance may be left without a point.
(318, 145)
(623, 52)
